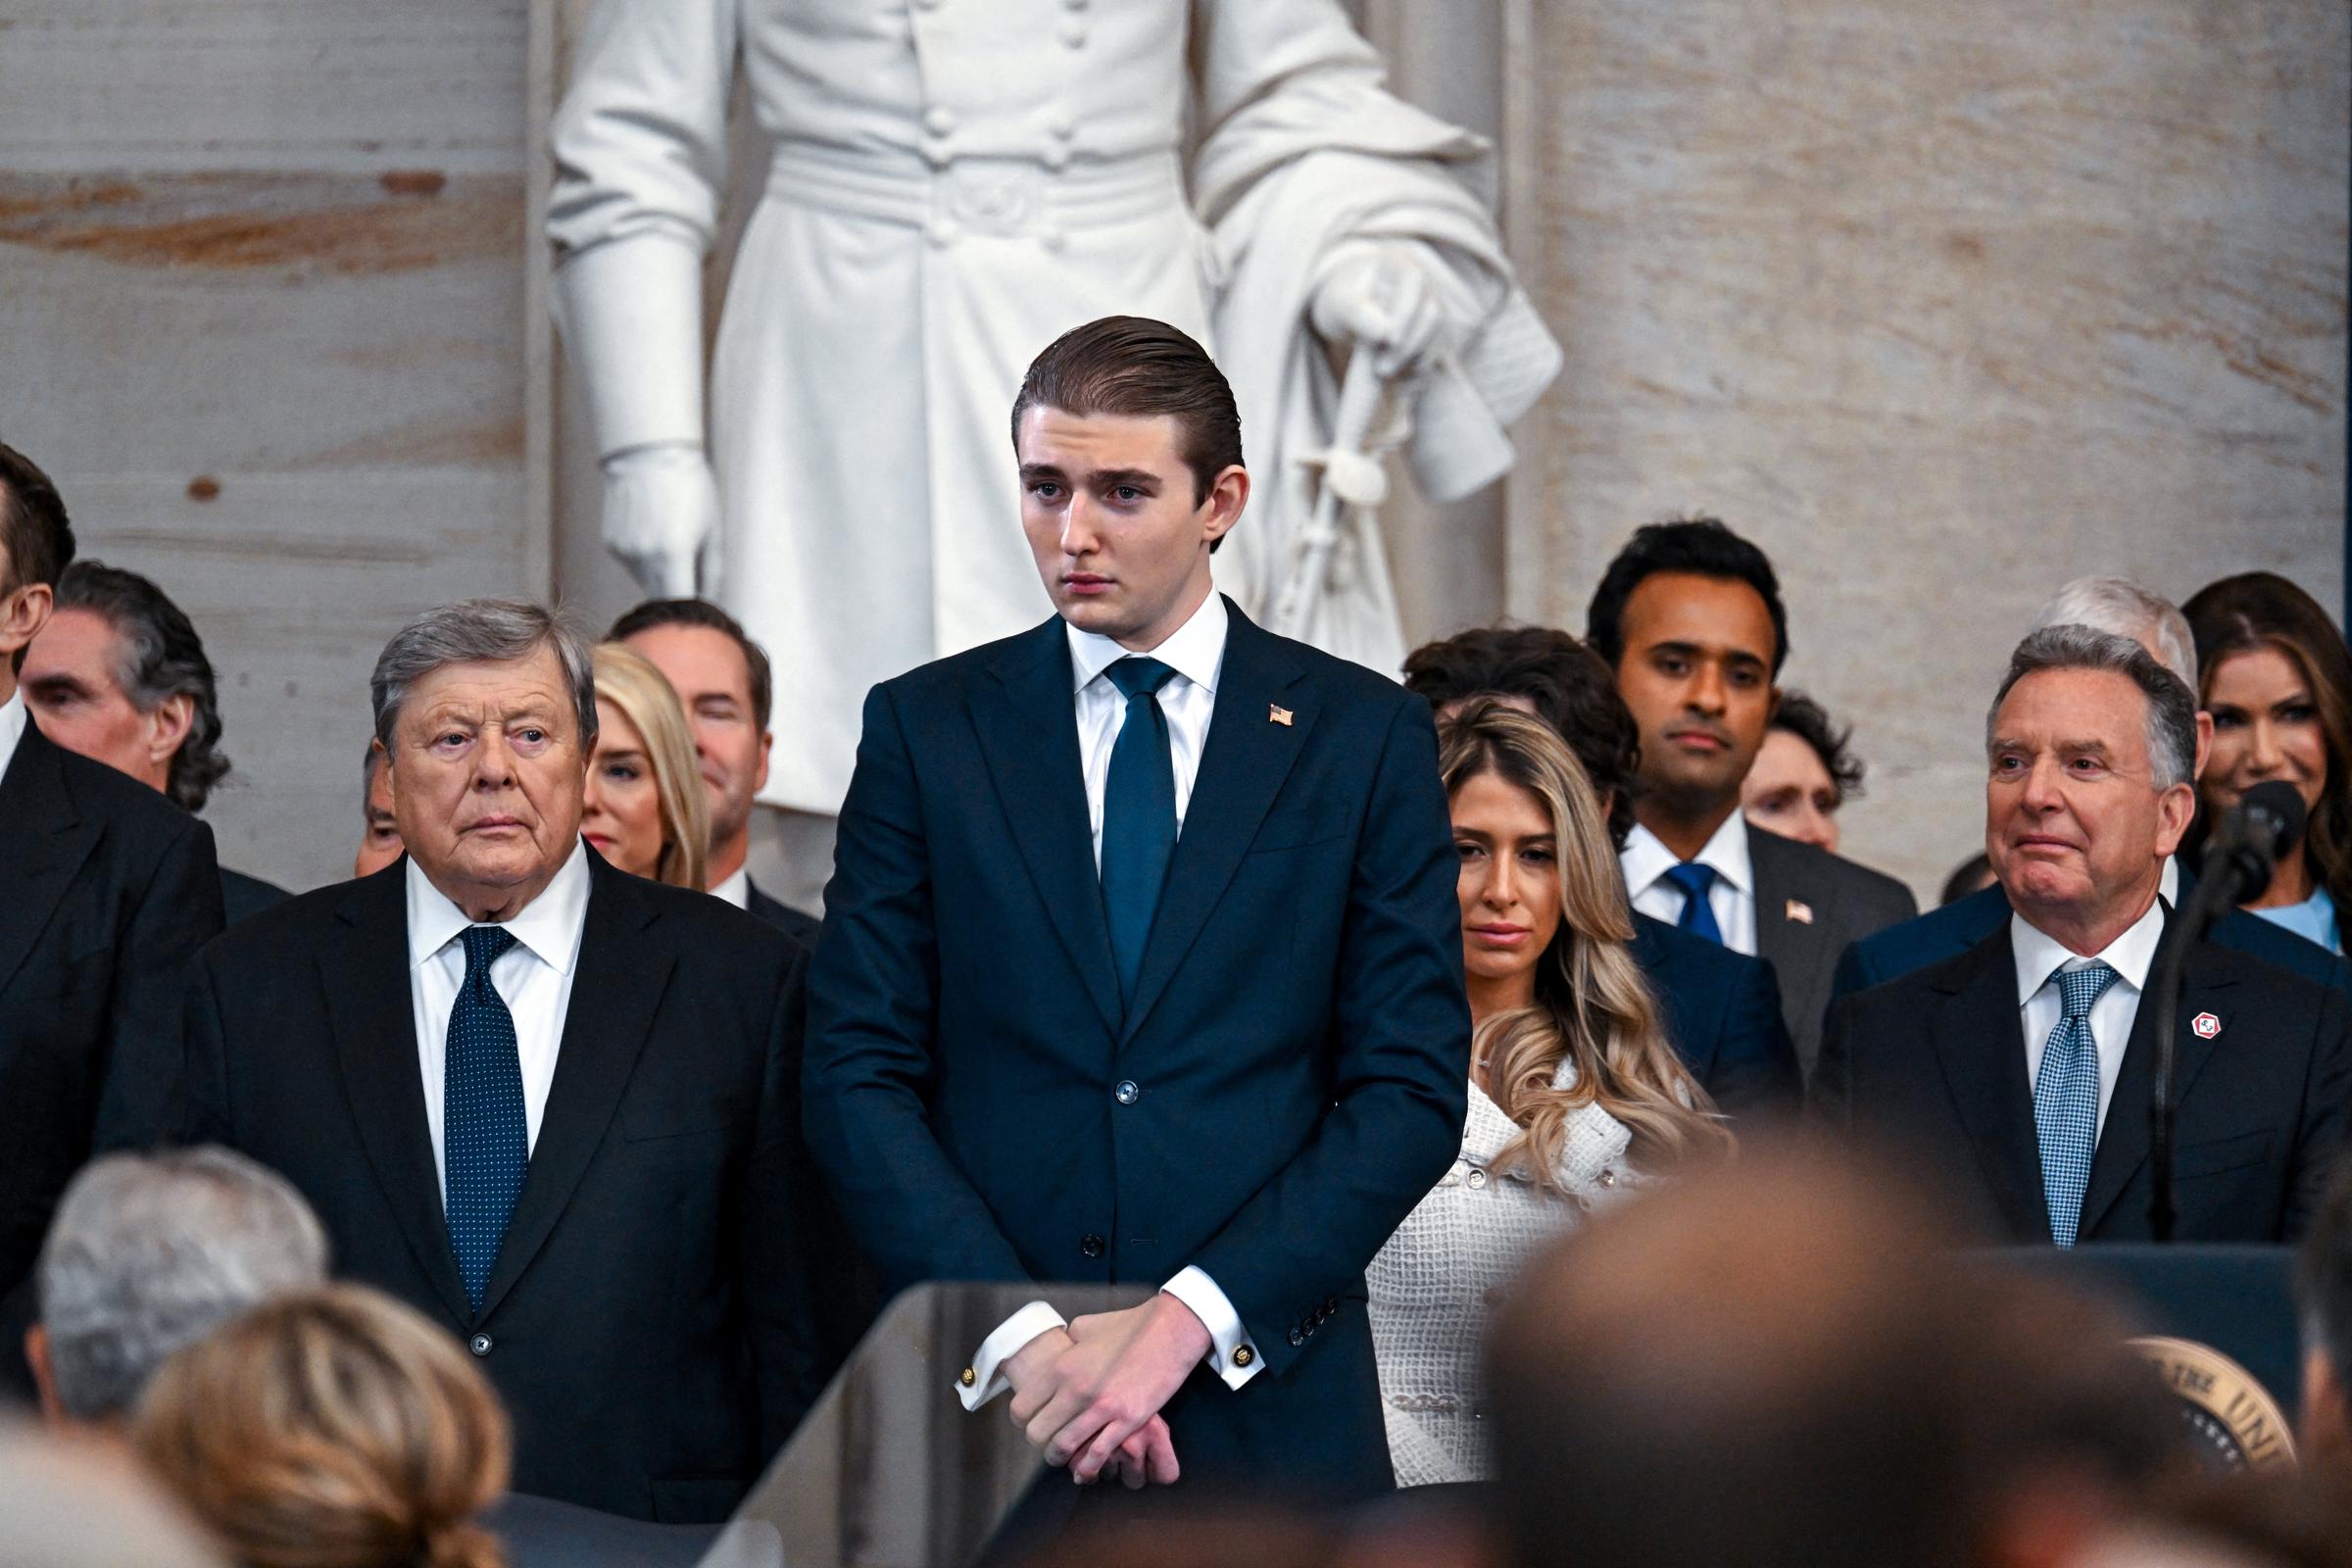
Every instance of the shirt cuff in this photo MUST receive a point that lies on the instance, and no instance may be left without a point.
(984, 1380)
(1231, 1355)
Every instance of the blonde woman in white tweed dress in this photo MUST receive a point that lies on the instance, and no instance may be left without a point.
(1577, 1098)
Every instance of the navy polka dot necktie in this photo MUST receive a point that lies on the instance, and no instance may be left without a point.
(1139, 816)
(484, 1140)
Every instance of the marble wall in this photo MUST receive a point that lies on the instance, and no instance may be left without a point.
(1942, 302)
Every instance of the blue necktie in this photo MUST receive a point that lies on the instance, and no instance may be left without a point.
(2066, 1101)
(1699, 916)
(1139, 816)
(485, 1143)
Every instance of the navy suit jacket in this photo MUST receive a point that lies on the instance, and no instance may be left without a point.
(1933, 1066)
(1287, 1082)
(1723, 1013)
(1952, 930)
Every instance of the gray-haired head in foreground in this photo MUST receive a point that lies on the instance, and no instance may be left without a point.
(2123, 607)
(473, 632)
(2172, 723)
(150, 1252)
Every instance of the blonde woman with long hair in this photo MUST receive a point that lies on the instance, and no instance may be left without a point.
(645, 810)
(1577, 1097)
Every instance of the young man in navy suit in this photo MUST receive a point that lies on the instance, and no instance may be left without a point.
(1142, 964)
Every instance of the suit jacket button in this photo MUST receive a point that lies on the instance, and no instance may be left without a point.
(1126, 1094)
(1244, 1356)
(479, 1344)
(1091, 1246)
(1298, 1335)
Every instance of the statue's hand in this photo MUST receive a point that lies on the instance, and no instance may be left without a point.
(1379, 298)
(661, 507)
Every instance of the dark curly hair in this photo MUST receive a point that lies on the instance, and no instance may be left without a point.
(1806, 719)
(1571, 690)
(1701, 547)
(159, 658)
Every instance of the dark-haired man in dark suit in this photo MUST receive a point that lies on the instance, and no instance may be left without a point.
(107, 889)
(548, 1104)
(2019, 1073)
(1142, 963)
(1722, 1008)
(1689, 617)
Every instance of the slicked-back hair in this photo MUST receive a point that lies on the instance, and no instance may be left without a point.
(1697, 547)
(158, 657)
(1571, 689)
(1135, 367)
(36, 538)
(2123, 606)
(708, 616)
(2172, 712)
(1806, 719)
(480, 631)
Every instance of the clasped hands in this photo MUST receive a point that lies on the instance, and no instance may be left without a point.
(1089, 1396)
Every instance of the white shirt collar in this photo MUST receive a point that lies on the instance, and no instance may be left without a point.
(550, 925)
(12, 727)
(736, 889)
(1646, 857)
(1195, 650)
(2041, 956)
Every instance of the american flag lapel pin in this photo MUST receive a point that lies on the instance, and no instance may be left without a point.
(1276, 713)
(1799, 910)
(2205, 1026)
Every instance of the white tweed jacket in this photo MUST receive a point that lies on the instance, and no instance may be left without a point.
(1434, 1285)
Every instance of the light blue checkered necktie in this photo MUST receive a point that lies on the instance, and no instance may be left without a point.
(485, 1140)
(2066, 1101)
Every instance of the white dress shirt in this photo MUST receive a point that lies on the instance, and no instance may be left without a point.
(736, 889)
(1196, 652)
(2041, 1003)
(533, 977)
(11, 729)
(1646, 860)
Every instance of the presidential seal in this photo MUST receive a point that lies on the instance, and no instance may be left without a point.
(2232, 1421)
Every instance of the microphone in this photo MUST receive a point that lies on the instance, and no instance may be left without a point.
(2260, 831)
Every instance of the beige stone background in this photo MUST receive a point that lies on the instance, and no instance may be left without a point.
(1940, 302)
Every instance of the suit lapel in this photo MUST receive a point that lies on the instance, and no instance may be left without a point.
(1243, 764)
(1983, 1059)
(2124, 1137)
(1791, 947)
(616, 986)
(1028, 729)
(43, 843)
(363, 973)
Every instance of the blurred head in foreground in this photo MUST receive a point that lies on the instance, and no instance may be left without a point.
(331, 1428)
(79, 1506)
(1790, 1343)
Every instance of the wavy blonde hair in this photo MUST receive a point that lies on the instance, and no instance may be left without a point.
(1593, 1008)
(331, 1428)
(629, 681)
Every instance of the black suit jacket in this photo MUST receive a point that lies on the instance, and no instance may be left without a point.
(798, 926)
(1935, 1065)
(242, 896)
(1810, 906)
(1723, 1013)
(1288, 1081)
(107, 889)
(645, 1322)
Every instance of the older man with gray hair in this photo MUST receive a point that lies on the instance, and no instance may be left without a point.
(2122, 607)
(149, 1252)
(550, 1104)
(2019, 1073)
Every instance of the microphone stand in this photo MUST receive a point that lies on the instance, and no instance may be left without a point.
(2216, 894)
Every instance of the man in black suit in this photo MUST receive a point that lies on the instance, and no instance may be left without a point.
(1142, 963)
(2019, 1073)
(1723, 1008)
(1689, 617)
(723, 680)
(120, 675)
(546, 1103)
(107, 889)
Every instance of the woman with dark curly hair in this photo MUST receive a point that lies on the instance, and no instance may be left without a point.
(2278, 681)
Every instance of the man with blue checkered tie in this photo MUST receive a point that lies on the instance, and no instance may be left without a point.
(547, 1104)
(2019, 1073)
